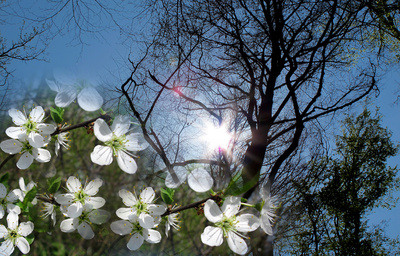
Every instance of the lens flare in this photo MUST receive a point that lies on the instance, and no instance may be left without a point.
(217, 137)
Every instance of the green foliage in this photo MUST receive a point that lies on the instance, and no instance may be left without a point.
(54, 184)
(30, 195)
(57, 114)
(4, 179)
(167, 195)
(341, 189)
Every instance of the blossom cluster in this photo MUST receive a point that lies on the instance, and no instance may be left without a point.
(80, 206)
(14, 235)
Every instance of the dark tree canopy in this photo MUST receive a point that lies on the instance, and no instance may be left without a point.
(341, 189)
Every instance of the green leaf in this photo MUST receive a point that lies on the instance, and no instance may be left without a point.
(4, 179)
(57, 114)
(30, 195)
(167, 195)
(54, 184)
(30, 238)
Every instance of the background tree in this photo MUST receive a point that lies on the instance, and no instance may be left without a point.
(340, 190)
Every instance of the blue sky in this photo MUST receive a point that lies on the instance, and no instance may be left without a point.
(100, 59)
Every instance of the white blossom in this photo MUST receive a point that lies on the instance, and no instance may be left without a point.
(14, 235)
(172, 220)
(26, 188)
(49, 209)
(138, 233)
(228, 225)
(117, 144)
(61, 140)
(69, 90)
(26, 150)
(198, 179)
(38, 133)
(72, 203)
(149, 214)
(7, 200)
(267, 214)
(84, 220)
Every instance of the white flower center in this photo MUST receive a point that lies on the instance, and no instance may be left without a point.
(30, 126)
(227, 224)
(116, 143)
(12, 235)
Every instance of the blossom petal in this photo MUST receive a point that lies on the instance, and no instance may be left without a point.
(135, 142)
(64, 199)
(36, 140)
(147, 195)
(17, 116)
(7, 247)
(3, 231)
(1, 212)
(46, 128)
(126, 162)
(181, 174)
(25, 161)
(21, 183)
(127, 197)
(101, 130)
(69, 225)
(12, 220)
(73, 184)
(212, 211)
(93, 187)
(212, 236)
(231, 206)
(124, 213)
(12, 208)
(74, 210)
(147, 221)
(25, 228)
(41, 155)
(99, 216)
(66, 96)
(22, 245)
(11, 146)
(121, 227)
(85, 230)
(152, 236)
(135, 242)
(15, 132)
(14, 195)
(156, 209)
(102, 155)
(37, 114)
(247, 222)
(54, 85)
(3, 191)
(89, 99)
(200, 180)
(236, 243)
(120, 125)
(95, 202)
(266, 225)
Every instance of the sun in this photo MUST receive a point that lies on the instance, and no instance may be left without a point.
(217, 137)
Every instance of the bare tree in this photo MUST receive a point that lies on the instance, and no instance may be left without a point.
(274, 64)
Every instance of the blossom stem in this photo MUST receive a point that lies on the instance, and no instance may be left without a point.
(106, 117)
(249, 205)
(50, 200)
(215, 197)
(6, 160)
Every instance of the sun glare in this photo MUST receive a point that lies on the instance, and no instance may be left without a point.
(217, 137)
